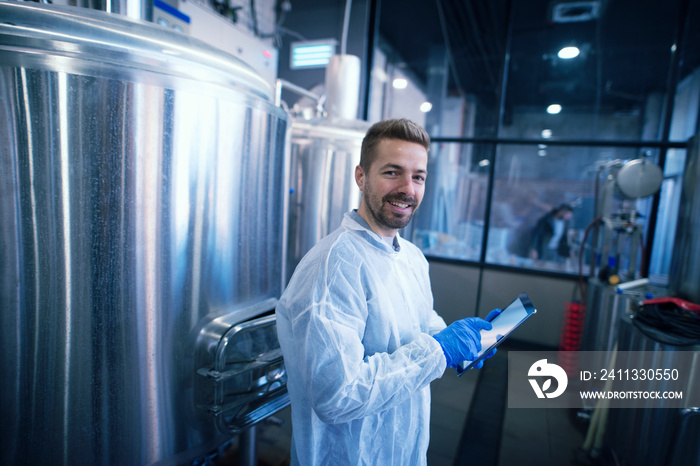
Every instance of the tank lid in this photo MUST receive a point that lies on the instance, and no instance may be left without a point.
(49, 34)
(340, 129)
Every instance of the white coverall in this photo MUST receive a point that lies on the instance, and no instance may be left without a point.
(354, 326)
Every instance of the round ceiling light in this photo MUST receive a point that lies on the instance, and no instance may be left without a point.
(569, 52)
(554, 109)
(400, 83)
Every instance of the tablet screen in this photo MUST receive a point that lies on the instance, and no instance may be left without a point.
(511, 318)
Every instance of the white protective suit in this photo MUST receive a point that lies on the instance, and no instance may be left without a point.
(354, 326)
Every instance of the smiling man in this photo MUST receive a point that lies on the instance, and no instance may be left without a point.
(391, 176)
(356, 324)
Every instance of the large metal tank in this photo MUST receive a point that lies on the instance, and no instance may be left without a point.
(142, 193)
(324, 154)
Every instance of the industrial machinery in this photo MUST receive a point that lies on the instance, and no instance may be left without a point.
(623, 184)
(322, 184)
(616, 247)
(326, 139)
(627, 320)
(142, 242)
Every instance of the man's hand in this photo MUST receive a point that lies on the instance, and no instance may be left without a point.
(461, 340)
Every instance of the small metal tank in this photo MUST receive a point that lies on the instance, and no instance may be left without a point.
(142, 244)
(606, 305)
(324, 154)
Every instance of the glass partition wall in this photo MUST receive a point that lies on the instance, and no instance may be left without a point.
(532, 105)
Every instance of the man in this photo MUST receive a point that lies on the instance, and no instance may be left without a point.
(550, 237)
(356, 325)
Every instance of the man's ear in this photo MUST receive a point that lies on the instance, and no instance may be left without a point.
(360, 177)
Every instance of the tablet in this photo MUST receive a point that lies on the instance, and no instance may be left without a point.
(504, 324)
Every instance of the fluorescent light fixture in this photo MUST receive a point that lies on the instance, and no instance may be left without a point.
(425, 107)
(554, 109)
(546, 133)
(312, 54)
(568, 52)
(400, 83)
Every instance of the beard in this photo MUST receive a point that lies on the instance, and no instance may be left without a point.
(384, 216)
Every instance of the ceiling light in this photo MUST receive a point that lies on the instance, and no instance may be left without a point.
(546, 133)
(400, 83)
(569, 52)
(554, 109)
(425, 107)
(484, 163)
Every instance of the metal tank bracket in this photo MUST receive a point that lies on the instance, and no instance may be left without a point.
(246, 380)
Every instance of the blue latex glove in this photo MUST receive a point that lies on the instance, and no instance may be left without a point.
(461, 340)
(491, 315)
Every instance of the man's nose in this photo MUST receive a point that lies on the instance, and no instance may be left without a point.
(407, 187)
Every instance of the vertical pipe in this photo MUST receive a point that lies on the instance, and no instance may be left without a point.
(346, 25)
(247, 454)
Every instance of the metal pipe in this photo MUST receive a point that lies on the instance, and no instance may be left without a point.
(346, 25)
(247, 454)
(284, 84)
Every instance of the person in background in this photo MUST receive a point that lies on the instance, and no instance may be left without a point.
(360, 339)
(550, 237)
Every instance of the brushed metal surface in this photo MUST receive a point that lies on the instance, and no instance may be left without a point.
(323, 158)
(142, 191)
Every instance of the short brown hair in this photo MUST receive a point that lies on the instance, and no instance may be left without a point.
(401, 129)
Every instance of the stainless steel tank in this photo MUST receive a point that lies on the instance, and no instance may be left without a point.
(605, 305)
(324, 154)
(656, 434)
(142, 207)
